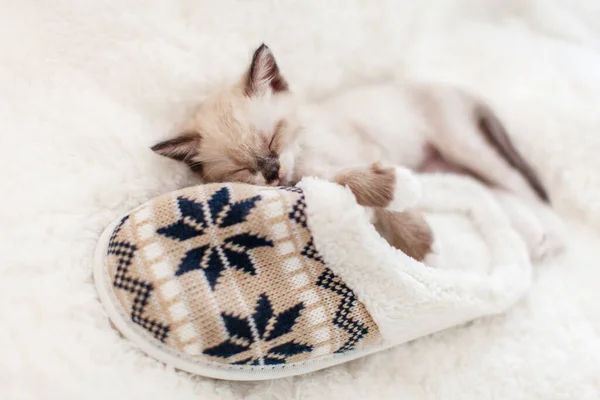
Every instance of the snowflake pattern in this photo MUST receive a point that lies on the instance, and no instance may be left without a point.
(209, 219)
(268, 326)
(215, 242)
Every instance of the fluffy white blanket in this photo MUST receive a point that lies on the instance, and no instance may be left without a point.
(87, 86)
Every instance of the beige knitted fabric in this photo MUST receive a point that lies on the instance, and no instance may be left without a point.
(228, 273)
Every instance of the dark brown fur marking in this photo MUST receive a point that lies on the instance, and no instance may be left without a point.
(373, 187)
(407, 231)
(180, 148)
(276, 80)
(494, 132)
(435, 162)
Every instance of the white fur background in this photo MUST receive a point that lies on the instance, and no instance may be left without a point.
(87, 86)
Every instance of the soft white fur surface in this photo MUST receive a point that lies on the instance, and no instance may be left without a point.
(87, 86)
(407, 299)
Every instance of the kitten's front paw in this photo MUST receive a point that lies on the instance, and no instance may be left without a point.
(407, 190)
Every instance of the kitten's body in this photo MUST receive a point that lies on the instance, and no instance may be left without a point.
(399, 124)
(257, 132)
(358, 127)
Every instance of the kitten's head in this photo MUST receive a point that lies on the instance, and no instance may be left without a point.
(242, 133)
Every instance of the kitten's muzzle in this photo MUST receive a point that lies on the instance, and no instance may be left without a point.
(269, 168)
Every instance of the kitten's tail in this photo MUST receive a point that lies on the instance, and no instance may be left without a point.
(495, 133)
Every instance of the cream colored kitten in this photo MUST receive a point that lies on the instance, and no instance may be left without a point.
(257, 131)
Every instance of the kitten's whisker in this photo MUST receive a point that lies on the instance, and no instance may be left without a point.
(212, 159)
(204, 175)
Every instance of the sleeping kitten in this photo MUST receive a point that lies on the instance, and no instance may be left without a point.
(256, 131)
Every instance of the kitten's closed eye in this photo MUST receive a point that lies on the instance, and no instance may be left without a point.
(250, 170)
(244, 175)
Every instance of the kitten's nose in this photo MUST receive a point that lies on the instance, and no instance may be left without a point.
(270, 169)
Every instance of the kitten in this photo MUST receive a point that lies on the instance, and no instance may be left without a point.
(256, 131)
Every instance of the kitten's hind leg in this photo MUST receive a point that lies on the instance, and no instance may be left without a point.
(543, 232)
(539, 227)
(468, 133)
(391, 192)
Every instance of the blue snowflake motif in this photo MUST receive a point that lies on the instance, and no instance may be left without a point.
(206, 218)
(269, 326)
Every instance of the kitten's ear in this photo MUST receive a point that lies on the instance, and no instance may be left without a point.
(181, 148)
(264, 75)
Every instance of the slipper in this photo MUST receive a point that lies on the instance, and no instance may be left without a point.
(242, 282)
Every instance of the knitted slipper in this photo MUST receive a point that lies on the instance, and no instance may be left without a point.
(241, 282)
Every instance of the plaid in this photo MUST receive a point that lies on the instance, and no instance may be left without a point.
(229, 273)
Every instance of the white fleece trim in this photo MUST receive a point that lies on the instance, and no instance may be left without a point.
(407, 193)
(406, 298)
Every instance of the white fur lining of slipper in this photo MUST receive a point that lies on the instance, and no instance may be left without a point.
(407, 299)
